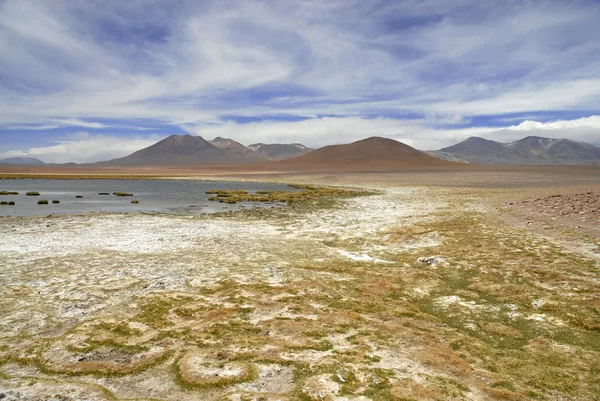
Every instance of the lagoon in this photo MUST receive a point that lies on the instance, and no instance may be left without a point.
(159, 196)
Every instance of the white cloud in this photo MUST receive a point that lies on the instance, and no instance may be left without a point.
(528, 125)
(83, 147)
(201, 64)
(58, 123)
(420, 134)
(75, 122)
(195, 63)
(316, 132)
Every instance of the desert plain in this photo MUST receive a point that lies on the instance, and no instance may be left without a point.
(472, 283)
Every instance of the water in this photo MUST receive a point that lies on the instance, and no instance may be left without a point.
(162, 196)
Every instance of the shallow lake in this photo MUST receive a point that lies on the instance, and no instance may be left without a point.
(162, 196)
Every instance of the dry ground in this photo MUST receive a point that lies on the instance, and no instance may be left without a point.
(417, 291)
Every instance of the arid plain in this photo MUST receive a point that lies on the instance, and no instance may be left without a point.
(472, 283)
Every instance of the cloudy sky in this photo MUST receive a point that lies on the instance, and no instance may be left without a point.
(86, 80)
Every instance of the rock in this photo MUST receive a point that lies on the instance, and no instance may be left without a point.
(431, 260)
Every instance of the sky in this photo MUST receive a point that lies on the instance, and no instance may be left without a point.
(90, 80)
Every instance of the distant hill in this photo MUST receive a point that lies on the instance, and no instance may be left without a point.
(280, 151)
(366, 155)
(227, 143)
(445, 156)
(182, 150)
(28, 161)
(532, 150)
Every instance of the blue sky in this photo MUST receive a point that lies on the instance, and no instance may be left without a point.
(86, 80)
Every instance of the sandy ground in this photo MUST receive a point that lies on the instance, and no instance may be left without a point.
(434, 286)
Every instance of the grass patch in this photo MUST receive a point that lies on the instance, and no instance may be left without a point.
(32, 193)
(195, 371)
(155, 312)
(42, 202)
(307, 194)
(489, 294)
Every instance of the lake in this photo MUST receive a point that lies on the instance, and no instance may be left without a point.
(161, 196)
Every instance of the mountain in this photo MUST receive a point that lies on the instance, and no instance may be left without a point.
(445, 156)
(29, 161)
(182, 150)
(280, 151)
(532, 150)
(227, 143)
(366, 155)
(564, 150)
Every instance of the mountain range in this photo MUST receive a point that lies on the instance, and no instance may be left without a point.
(532, 150)
(195, 150)
(29, 161)
(368, 154)
(371, 153)
(280, 151)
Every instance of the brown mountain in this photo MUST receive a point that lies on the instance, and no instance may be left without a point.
(263, 151)
(280, 151)
(366, 155)
(227, 143)
(178, 150)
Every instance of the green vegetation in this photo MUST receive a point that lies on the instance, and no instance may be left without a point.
(42, 202)
(506, 316)
(3, 203)
(135, 201)
(104, 193)
(55, 201)
(79, 196)
(306, 195)
(122, 194)
(121, 329)
(32, 193)
(155, 312)
(190, 374)
(11, 203)
(8, 193)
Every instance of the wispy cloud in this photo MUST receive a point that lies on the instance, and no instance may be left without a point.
(83, 147)
(395, 67)
(58, 123)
